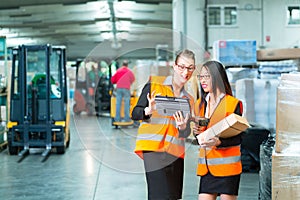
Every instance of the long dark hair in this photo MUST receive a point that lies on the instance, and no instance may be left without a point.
(219, 79)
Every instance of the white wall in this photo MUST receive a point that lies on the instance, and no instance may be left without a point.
(188, 26)
(248, 24)
(282, 36)
(264, 18)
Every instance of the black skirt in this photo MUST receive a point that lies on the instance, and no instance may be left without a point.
(219, 185)
(164, 175)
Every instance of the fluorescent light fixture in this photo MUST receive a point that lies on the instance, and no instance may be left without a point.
(19, 41)
(107, 35)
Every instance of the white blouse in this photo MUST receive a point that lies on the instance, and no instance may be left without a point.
(208, 112)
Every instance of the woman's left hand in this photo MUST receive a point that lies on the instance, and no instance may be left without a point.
(215, 141)
(180, 120)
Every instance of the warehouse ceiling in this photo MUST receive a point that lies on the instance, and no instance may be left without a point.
(107, 28)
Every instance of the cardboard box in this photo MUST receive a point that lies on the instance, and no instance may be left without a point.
(278, 54)
(287, 110)
(235, 52)
(290, 80)
(285, 176)
(230, 126)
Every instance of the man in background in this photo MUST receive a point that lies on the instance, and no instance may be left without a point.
(124, 78)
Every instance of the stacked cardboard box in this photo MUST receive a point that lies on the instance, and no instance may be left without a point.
(285, 158)
(278, 54)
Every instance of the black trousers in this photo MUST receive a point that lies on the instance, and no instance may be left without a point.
(164, 175)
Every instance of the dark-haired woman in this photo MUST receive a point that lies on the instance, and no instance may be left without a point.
(219, 163)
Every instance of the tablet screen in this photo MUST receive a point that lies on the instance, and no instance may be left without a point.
(167, 106)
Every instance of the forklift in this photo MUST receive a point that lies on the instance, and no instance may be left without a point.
(92, 93)
(39, 111)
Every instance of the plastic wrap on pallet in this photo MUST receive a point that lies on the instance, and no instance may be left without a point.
(287, 110)
(259, 100)
(235, 73)
(265, 182)
(286, 156)
(285, 176)
(273, 70)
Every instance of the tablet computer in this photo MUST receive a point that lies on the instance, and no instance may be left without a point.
(167, 106)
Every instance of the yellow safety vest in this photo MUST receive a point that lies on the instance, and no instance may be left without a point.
(160, 134)
(223, 161)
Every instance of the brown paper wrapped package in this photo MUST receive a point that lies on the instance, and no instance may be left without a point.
(230, 126)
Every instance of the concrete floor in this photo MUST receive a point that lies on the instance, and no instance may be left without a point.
(98, 165)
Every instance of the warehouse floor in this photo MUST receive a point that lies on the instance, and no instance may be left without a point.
(99, 164)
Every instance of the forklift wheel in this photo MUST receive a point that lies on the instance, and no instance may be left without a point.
(68, 142)
(61, 149)
(12, 150)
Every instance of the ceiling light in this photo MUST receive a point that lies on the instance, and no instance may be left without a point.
(123, 35)
(11, 42)
(123, 25)
(107, 35)
(10, 35)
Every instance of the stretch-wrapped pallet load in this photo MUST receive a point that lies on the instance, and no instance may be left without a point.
(274, 69)
(265, 172)
(287, 114)
(259, 100)
(286, 156)
(285, 176)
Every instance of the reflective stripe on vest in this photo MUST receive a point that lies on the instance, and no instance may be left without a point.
(160, 133)
(220, 161)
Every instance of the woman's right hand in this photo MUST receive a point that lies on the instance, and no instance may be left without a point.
(198, 129)
(151, 105)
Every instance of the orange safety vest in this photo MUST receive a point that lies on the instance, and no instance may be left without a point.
(223, 161)
(160, 134)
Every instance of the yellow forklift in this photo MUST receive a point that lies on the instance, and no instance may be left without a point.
(39, 112)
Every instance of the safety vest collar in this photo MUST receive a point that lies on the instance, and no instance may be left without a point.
(219, 98)
(168, 82)
(226, 106)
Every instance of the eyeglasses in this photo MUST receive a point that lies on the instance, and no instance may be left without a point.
(205, 77)
(182, 68)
